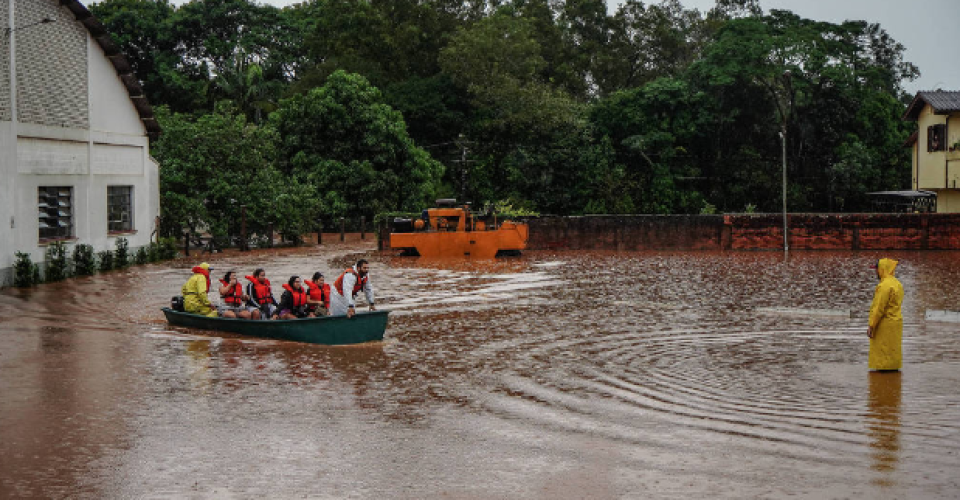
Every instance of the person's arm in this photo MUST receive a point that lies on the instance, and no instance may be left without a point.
(368, 291)
(880, 298)
(202, 292)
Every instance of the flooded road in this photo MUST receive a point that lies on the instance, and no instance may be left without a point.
(552, 375)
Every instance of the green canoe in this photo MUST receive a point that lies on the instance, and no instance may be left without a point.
(329, 330)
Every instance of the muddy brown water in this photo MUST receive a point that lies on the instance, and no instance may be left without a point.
(552, 375)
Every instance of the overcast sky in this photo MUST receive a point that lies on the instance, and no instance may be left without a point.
(929, 29)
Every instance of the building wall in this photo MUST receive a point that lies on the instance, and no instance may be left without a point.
(51, 66)
(948, 201)
(70, 122)
(5, 102)
(110, 110)
(953, 157)
(931, 166)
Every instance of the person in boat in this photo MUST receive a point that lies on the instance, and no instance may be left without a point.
(886, 323)
(319, 295)
(293, 301)
(347, 286)
(195, 290)
(261, 302)
(232, 298)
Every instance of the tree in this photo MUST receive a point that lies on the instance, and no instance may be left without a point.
(213, 165)
(142, 29)
(354, 149)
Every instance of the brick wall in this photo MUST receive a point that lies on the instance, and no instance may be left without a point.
(748, 232)
(740, 232)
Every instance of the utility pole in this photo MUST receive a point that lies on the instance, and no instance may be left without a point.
(463, 172)
(783, 141)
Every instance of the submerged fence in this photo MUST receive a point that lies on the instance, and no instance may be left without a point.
(747, 232)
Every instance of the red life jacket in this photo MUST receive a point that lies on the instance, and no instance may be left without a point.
(299, 296)
(319, 293)
(356, 288)
(235, 296)
(261, 291)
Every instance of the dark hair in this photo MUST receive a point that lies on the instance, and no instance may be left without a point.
(257, 272)
(361, 262)
(292, 279)
(317, 275)
(226, 277)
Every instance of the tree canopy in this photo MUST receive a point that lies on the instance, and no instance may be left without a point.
(559, 106)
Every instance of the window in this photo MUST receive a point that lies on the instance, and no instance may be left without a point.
(56, 212)
(937, 137)
(119, 208)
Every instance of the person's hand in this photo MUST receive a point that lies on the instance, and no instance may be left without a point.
(870, 332)
(372, 307)
(350, 312)
(246, 297)
(275, 316)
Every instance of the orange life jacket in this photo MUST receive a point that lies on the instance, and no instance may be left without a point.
(319, 293)
(356, 288)
(235, 296)
(261, 291)
(299, 296)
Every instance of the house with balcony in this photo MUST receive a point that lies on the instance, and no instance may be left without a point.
(74, 135)
(936, 146)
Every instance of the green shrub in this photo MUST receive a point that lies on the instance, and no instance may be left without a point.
(83, 260)
(168, 248)
(140, 258)
(122, 255)
(26, 273)
(106, 260)
(708, 208)
(56, 262)
(153, 252)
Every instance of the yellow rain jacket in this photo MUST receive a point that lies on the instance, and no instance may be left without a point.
(886, 320)
(194, 293)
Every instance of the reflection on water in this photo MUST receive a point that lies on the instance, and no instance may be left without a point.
(552, 375)
(884, 423)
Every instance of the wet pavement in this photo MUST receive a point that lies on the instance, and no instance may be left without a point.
(552, 375)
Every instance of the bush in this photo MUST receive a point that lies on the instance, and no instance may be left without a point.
(168, 248)
(26, 273)
(56, 262)
(153, 252)
(106, 260)
(140, 258)
(83, 260)
(122, 256)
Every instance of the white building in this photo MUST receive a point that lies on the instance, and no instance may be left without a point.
(74, 125)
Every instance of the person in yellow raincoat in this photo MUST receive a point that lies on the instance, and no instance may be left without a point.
(886, 322)
(195, 290)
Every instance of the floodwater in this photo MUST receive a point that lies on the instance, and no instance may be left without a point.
(552, 375)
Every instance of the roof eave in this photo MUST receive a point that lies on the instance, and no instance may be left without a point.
(120, 64)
